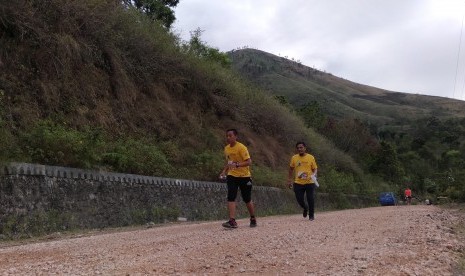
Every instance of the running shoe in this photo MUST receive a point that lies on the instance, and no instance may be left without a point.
(231, 223)
(312, 218)
(253, 222)
(305, 213)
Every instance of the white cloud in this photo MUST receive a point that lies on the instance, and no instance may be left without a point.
(400, 45)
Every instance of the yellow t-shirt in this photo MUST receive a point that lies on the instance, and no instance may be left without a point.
(303, 168)
(237, 153)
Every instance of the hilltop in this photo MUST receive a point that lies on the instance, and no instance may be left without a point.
(339, 97)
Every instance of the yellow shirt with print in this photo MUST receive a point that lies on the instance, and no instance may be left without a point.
(237, 153)
(303, 168)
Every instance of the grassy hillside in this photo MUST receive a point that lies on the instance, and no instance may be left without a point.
(338, 97)
(92, 84)
(407, 139)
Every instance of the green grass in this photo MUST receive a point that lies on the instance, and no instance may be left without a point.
(301, 85)
(110, 89)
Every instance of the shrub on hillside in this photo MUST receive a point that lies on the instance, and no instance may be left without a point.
(335, 182)
(137, 157)
(162, 111)
(54, 144)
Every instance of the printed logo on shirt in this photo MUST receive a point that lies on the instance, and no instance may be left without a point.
(302, 175)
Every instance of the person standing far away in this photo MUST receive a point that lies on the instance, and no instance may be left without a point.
(238, 176)
(301, 169)
(408, 195)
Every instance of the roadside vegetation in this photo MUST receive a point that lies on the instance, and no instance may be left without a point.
(102, 85)
(106, 85)
(398, 139)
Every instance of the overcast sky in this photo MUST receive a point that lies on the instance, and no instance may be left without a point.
(400, 45)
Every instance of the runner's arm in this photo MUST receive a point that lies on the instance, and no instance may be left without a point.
(290, 175)
(315, 171)
(225, 170)
(244, 163)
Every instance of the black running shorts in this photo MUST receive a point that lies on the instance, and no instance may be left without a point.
(243, 183)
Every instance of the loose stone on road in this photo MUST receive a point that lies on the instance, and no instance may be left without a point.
(397, 240)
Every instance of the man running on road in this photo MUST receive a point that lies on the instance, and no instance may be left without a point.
(302, 167)
(237, 169)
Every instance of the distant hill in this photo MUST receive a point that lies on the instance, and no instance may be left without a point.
(407, 139)
(338, 97)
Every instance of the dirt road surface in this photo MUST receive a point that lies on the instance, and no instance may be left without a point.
(397, 240)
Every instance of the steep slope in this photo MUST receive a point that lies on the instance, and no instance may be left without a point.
(92, 84)
(338, 97)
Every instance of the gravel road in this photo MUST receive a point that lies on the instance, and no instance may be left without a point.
(397, 240)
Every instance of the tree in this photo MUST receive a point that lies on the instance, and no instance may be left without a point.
(200, 49)
(313, 115)
(282, 100)
(159, 10)
(351, 136)
(387, 163)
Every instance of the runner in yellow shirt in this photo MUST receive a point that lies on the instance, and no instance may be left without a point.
(237, 174)
(301, 169)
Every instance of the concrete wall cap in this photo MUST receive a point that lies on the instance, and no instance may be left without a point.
(16, 168)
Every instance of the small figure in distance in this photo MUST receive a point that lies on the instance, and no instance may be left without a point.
(408, 195)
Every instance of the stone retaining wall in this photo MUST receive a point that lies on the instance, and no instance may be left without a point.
(37, 199)
(42, 199)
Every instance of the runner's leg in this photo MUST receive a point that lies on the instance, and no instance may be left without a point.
(310, 190)
(232, 194)
(299, 191)
(246, 193)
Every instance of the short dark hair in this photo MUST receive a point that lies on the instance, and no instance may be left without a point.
(300, 143)
(233, 130)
